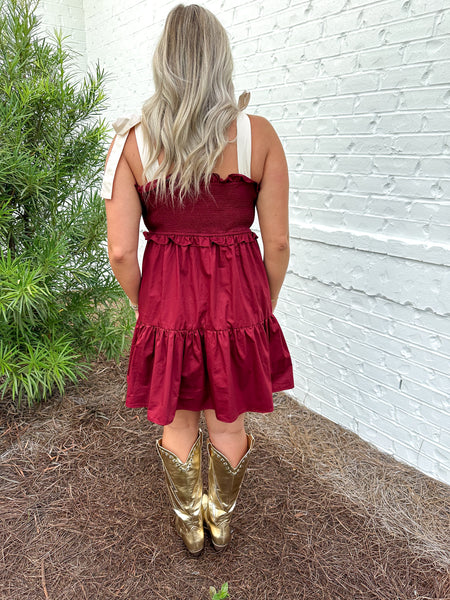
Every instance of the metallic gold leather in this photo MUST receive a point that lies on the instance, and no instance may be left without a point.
(224, 484)
(184, 483)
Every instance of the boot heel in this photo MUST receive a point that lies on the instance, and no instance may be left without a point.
(216, 547)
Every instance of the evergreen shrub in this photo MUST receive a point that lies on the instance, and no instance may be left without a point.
(60, 305)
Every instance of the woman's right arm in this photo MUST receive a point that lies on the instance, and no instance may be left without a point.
(123, 213)
(273, 210)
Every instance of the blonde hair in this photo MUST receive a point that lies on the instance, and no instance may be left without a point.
(194, 103)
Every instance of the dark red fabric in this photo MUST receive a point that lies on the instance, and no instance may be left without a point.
(206, 336)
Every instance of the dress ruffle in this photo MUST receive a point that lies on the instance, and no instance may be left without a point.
(232, 370)
(215, 178)
(182, 239)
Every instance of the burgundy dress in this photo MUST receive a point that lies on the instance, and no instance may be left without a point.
(206, 336)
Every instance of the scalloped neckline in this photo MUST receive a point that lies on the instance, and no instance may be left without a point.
(214, 177)
(233, 177)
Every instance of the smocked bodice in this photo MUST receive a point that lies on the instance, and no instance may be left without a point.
(228, 208)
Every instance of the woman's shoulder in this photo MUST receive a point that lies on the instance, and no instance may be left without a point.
(261, 126)
(264, 138)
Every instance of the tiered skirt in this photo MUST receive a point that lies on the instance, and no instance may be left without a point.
(206, 336)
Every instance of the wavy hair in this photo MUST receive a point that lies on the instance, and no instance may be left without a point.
(194, 103)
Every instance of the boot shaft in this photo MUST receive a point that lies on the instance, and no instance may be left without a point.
(224, 480)
(224, 483)
(184, 480)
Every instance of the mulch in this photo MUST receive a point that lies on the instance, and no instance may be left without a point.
(321, 515)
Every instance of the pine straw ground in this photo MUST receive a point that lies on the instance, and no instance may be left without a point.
(321, 515)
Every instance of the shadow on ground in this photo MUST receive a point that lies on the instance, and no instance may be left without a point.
(321, 515)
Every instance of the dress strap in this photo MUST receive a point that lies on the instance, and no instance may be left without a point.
(122, 128)
(244, 144)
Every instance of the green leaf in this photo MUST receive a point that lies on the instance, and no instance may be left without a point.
(221, 595)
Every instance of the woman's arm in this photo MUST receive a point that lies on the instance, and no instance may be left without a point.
(273, 210)
(123, 213)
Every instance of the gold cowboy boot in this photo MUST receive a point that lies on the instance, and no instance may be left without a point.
(184, 482)
(224, 483)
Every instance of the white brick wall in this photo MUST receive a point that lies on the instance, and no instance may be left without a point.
(359, 92)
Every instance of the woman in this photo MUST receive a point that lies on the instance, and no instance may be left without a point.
(194, 165)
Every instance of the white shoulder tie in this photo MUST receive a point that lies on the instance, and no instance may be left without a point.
(244, 144)
(122, 128)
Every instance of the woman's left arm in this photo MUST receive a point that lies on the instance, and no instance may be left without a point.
(123, 214)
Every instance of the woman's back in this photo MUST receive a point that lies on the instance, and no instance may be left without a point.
(262, 161)
(227, 205)
(227, 164)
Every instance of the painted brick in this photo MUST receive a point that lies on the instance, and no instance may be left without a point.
(419, 28)
(321, 86)
(358, 93)
(443, 25)
(245, 48)
(277, 40)
(383, 12)
(322, 47)
(419, 7)
(436, 48)
(304, 33)
(380, 58)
